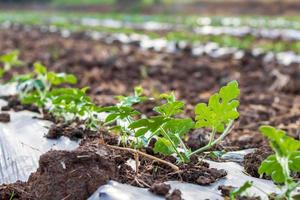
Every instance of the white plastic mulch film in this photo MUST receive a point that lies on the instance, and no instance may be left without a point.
(235, 177)
(22, 142)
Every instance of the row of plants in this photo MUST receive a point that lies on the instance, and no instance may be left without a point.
(247, 42)
(282, 22)
(168, 127)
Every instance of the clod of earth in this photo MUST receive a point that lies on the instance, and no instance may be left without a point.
(76, 174)
(175, 195)
(253, 160)
(4, 117)
(160, 189)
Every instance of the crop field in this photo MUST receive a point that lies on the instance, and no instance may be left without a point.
(127, 106)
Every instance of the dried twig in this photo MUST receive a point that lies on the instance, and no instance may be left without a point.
(134, 151)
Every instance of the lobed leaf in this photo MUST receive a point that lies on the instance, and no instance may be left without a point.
(142, 126)
(170, 109)
(220, 110)
(280, 142)
(271, 167)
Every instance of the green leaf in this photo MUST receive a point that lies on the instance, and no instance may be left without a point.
(71, 100)
(34, 98)
(294, 161)
(70, 78)
(11, 60)
(138, 91)
(271, 167)
(57, 79)
(118, 112)
(152, 125)
(178, 127)
(170, 97)
(220, 110)
(238, 191)
(21, 78)
(39, 68)
(2, 72)
(170, 137)
(111, 117)
(30, 85)
(170, 109)
(280, 142)
(141, 132)
(131, 100)
(163, 146)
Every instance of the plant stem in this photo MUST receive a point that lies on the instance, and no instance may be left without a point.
(291, 189)
(173, 145)
(182, 143)
(214, 142)
(212, 136)
(134, 151)
(284, 162)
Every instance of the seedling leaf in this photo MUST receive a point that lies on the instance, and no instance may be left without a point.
(238, 191)
(271, 167)
(163, 146)
(220, 110)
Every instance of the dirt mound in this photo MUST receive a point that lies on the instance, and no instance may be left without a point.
(71, 175)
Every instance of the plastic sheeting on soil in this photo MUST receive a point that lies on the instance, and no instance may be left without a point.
(116, 191)
(22, 142)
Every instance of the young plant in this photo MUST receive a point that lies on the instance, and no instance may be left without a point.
(219, 114)
(167, 130)
(123, 114)
(9, 61)
(71, 103)
(34, 87)
(285, 160)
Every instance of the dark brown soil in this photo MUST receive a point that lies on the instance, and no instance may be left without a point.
(225, 190)
(175, 195)
(73, 175)
(16, 105)
(253, 160)
(77, 174)
(112, 70)
(74, 130)
(198, 138)
(16, 191)
(161, 189)
(115, 69)
(4, 117)
(150, 172)
(66, 175)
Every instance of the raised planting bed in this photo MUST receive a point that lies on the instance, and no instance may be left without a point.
(147, 143)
